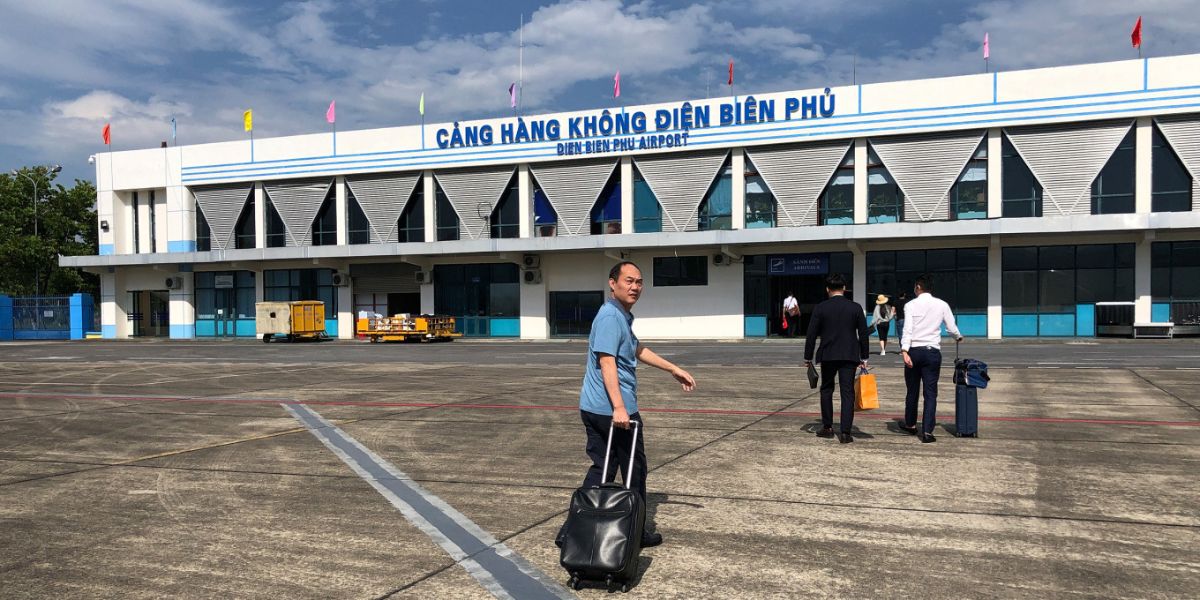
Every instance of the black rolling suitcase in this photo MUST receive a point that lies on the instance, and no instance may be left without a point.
(969, 376)
(602, 538)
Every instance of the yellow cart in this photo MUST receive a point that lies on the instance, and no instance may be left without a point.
(302, 319)
(405, 328)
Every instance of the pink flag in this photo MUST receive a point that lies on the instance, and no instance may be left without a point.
(331, 113)
(512, 95)
(986, 50)
(617, 85)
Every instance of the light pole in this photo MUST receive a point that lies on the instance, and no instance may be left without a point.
(37, 272)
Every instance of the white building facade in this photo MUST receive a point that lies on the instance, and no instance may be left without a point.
(1030, 197)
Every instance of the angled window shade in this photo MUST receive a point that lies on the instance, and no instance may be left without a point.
(382, 199)
(680, 182)
(298, 203)
(474, 193)
(1066, 160)
(572, 189)
(796, 176)
(1183, 134)
(222, 205)
(925, 167)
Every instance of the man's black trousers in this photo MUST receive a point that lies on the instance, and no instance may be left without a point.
(922, 378)
(596, 427)
(843, 371)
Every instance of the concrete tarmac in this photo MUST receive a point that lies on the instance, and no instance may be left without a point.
(152, 469)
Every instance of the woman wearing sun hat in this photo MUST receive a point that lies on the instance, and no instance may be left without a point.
(882, 318)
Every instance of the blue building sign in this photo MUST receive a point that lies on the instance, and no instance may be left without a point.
(797, 264)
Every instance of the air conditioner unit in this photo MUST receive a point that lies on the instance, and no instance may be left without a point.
(531, 261)
(424, 277)
(174, 283)
(720, 259)
(532, 276)
(341, 279)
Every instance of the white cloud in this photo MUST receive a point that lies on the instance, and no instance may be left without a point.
(72, 65)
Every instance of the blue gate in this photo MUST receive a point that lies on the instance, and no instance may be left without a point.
(46, 317)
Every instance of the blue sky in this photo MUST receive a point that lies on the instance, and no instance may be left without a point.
(69, 66)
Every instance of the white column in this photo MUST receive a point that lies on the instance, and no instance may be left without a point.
(1141, 279)
(1143, 185)
(260, 221)
(345, 313)
(108, 305)
(106, 202)
(181, 220)
(995, 289)
(160, 220)
(738, 163)
(860, 180)
(525, 200)
(859, 280)
(427, 297)
(995, 170)
(343, 218)
(430, 216)
(534, 324)
(259, 286)
(122, 224)
(626, 194)
(121, 306)
(182, 310)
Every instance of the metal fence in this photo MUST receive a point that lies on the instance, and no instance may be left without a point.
(42, 315)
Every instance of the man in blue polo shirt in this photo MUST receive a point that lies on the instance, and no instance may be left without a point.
(609, 393)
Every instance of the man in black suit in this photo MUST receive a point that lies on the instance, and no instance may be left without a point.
(842, 326)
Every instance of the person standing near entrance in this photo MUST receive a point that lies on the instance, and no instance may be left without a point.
(882, 319)
(791, 315)
(841, 324)
(920, 345)
(609, 393)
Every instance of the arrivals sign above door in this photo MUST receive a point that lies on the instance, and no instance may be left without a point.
(797, 264)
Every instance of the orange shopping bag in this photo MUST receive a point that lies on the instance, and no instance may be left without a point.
(866, 394)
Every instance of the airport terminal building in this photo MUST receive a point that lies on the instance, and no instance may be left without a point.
(1031, 196)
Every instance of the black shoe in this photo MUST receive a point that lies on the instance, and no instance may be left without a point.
(825, 433)
(926, 438)
(909, 429)
(844, 437)
(650, 540)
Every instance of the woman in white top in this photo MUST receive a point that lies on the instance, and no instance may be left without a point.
(882, 319)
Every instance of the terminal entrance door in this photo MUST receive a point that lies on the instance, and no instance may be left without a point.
(149, 313)
(809, 290)
(225, 303)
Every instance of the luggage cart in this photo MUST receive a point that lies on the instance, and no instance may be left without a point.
(299, 320)
(411, 328)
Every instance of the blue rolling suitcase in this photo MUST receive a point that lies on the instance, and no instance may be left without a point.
(969, 376)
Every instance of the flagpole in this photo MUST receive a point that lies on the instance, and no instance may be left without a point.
(521, 64)
(251, 144)
(334, 137)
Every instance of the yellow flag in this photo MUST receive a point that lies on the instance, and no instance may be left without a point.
(422, 104)
(248, 120)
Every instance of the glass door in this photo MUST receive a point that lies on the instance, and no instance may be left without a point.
(226, 310)
(571, 313)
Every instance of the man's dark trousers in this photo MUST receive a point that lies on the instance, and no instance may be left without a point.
(597, 440)
(927, 367)
(843, 370)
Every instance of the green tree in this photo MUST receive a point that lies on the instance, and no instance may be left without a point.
(66, 225)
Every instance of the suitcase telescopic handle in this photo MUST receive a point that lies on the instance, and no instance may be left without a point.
(632, 451)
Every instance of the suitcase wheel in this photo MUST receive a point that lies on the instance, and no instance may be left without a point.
(574, 583)
(624, 588)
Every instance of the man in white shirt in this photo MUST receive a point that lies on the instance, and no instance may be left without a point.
(791, 314)
(920, 346)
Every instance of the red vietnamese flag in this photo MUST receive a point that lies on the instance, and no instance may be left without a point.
(106, 135)
(730, 72)
(1136, 36)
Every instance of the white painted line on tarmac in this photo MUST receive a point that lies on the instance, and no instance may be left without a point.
(502, 572)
